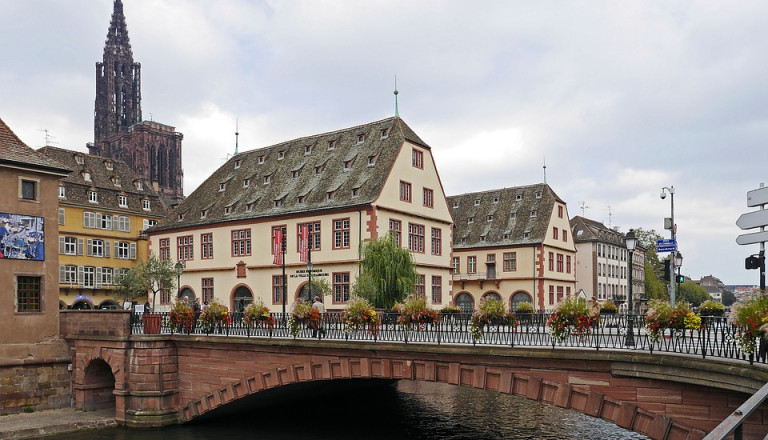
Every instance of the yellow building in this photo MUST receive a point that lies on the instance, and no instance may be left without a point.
(348, 186)
(104, 207)
(512, 244)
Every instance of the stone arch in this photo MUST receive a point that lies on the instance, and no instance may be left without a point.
(533, 387)
(465, 301)
(98, 386)
(518, 297)
(188, 294)
(240, 297)
(302, 292)
(109, 304)
(491, 294)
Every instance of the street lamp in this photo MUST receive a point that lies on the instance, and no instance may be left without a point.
(678, 263)
(631, 242)
(309, 285)
(669, 223)
(179, 268)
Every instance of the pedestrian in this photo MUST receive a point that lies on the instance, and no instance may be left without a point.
(321, 309)
(146, 307)
(197, 310)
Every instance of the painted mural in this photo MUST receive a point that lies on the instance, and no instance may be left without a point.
(21, 237)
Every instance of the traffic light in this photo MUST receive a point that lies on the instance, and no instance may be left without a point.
(680, 278)
(667, 276)
(752, 262)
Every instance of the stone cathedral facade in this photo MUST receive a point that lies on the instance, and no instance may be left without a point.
(152, 150)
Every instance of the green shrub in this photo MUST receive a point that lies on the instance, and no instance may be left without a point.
(524, 307)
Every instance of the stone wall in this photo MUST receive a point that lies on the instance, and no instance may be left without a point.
(35, 387)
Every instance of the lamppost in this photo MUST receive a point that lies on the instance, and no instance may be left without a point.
(631, 242)
(669, 223)
(179, 268)
(678, 263)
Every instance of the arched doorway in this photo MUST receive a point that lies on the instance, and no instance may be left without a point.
(98, 386)
(82, 305)
(492, 295)
(109, 305)
(465, 302)
(241, 299)
(518, 298)
(188, 296)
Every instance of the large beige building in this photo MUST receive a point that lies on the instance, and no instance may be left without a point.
(512, 244)
(348, 186)
(33, 359)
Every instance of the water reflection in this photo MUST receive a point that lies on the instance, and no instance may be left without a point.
(407, 410)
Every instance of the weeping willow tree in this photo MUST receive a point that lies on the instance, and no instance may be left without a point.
(388, 273)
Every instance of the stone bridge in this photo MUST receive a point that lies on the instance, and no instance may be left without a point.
(158, 380)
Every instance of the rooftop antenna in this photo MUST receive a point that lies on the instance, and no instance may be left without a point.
(545, 170)
(48, 137)
(397, 112)
(237, 135)
(583, 207)
(609, 216)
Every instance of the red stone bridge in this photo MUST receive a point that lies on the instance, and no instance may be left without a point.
(159, 380)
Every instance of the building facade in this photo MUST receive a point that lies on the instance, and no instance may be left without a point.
(33, 359)
(151, 149)
(511, 244)
(104, 208)
(347, 187)
(602, 264)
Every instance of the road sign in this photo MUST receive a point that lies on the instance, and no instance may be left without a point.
(753, 219)
(755, 237)
(668, 245)
(757, 197)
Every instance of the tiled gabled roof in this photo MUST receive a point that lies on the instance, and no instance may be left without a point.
(584, 229)
(14, 152)
(502, 217)
(342, 168)
(104, 180)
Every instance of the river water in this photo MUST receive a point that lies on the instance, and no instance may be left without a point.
(405, 410)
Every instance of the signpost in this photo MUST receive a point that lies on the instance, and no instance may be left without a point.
(668, 245)
(755, 219)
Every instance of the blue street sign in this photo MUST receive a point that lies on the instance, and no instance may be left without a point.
(668, 245)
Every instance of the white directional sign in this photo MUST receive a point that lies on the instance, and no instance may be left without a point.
(755, 237)
(753, 219)
(757, 197)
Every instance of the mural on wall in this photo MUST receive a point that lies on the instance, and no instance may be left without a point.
(21, 237)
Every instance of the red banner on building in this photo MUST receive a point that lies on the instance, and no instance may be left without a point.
(277, 247)
(304, 243)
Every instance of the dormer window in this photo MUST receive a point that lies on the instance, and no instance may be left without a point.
(506, 236)
(519, 197)
(222, 186)
(360, 138)
(79, 159)
(489, 218)
(331, 145)
(93, 197)
(385, 133)
(122, 201)
(227, 210)
(482, 238)
(109, 165)
(371, 161)
(261, 159)
(470, 220)
(533, 213)
(145, 205)
(355, 192)
(495, 200)
(538, 194)
(180, 217)
(116, 181)
(295, 174)
(300, 200)
(237, 164)
(347, 165)
(455, 204)
(246, 183)
(526, 235)
(331, 195)
(281, 155)
(512, 215)
(249, 207)
(267, 180)
(278, 203)
(86, 176)
(204, 213)
(318, 169)
(307, 150)
(139, 185)
(62, 192)
(477, 202)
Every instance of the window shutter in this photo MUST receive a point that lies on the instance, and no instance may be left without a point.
(79, 246)
(61, 245)
(85, 220)
(127, 224)
(106, 249)
(117, 250)
(115, 222)
(98, 277)
(80, 276)
(90, 247)
(132, 252)
(62, 273)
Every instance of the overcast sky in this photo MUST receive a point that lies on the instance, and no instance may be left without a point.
(619, 98)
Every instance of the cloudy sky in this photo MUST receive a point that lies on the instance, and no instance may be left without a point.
(619, 99)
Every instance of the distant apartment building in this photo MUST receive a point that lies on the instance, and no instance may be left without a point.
(511, 244)
(713, 286)
(602, 264)
(103, 210)
(345, 187)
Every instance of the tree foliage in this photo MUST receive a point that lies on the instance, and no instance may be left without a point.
(654, 286)
(728, 298)
(388, 273)
(150, 276)
(692, 293)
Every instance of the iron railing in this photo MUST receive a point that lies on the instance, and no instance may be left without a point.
(716, 338)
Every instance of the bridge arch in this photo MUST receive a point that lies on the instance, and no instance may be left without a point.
(98, 386)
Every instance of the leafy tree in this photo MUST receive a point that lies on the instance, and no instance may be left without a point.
(388, 273)
(654, 286)
(692, 293)
(151, 276)
(728, 298)
(319, 287)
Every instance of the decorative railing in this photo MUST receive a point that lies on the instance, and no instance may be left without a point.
(716, 338)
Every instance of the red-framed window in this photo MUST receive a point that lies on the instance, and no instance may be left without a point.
(568, 264)
(567, 292)
(552, 295)
(165, 249)
(340, 287)
(165, 295)
(559, 262)
(241, 242)
(274, 231)
(418, 288)
(314, 235)
(559, 293)
(428, 196)
(554, 233)
(185, 248)
(341, 233)
(437, 289)
(560, 211)
(277, 289)
(396, 227)
(551, 261)
(405, 191)
(565, 235)
(437, 241)
(206, 247)
(417, 159)
(510, 261)
(416, 237)
(207, 287)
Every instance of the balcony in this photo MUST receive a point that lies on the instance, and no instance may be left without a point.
(480, 277)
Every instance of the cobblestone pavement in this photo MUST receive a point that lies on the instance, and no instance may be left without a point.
(42, 423)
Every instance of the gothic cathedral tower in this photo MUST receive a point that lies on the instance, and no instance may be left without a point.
(153, 150)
